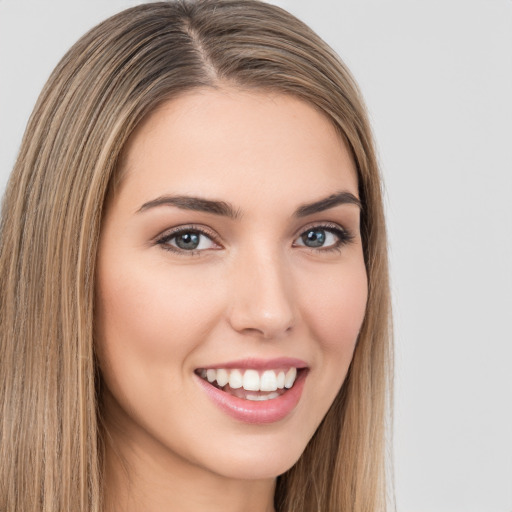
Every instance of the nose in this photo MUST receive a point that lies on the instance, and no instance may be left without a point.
(262, 301)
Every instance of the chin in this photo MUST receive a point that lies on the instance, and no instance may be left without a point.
(260, 459)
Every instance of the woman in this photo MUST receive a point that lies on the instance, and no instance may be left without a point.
(195, 307)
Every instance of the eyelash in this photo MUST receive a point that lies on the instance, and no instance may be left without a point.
(344, 237)
(165, 239)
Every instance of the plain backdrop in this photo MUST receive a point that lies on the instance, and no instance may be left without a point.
(437, 77)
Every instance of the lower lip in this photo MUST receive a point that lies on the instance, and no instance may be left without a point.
(248, 411)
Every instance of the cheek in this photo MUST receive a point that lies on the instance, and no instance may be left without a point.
(335, 309)
(149, 315)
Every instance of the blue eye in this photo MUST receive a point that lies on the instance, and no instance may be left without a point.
(187, 240)
(323, 237)
(315, 237)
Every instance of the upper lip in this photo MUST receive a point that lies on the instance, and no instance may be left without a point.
(259, 364)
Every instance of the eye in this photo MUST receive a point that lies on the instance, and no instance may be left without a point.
(191, 240)
(323, 237)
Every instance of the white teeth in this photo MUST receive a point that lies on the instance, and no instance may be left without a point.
(251, 380)
(235, 379)
(268, 381)
(291, 375)
(280, 380)
(222, 377)
(262, 398)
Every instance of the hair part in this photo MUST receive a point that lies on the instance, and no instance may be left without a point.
(51, 439)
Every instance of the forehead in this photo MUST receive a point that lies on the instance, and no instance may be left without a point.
(239, 144)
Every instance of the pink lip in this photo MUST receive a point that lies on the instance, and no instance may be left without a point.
(268, 411)
(260, 364)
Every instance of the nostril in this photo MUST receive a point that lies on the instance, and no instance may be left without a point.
(263, 299)
(267, 330)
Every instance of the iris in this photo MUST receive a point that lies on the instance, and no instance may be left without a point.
(314, 238)
(188, 240)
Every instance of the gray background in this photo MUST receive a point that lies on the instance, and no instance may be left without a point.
(437, 77)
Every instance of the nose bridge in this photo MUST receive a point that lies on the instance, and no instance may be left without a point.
(262, 298)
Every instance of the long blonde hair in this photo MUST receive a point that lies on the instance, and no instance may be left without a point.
(51, 443)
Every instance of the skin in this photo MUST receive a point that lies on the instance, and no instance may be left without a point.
(253, 290)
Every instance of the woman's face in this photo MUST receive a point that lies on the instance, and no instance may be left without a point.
(230, 253)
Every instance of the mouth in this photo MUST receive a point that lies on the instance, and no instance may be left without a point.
(255, 391)
(252, 384)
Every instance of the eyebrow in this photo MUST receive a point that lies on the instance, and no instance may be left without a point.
(225, 209)
(327, 203)
(193, 203)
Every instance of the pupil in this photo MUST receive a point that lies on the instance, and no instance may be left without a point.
(314, 238)
(187, 241)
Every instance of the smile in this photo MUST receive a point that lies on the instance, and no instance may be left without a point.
(250, 384)
(255, 391)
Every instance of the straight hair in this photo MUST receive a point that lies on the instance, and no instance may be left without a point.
(51, 439)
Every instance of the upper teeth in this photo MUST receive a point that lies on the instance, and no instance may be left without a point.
(251, 380)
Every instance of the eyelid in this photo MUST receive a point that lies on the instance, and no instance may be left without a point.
(345, 236)
(327, 225)
(169, 234)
